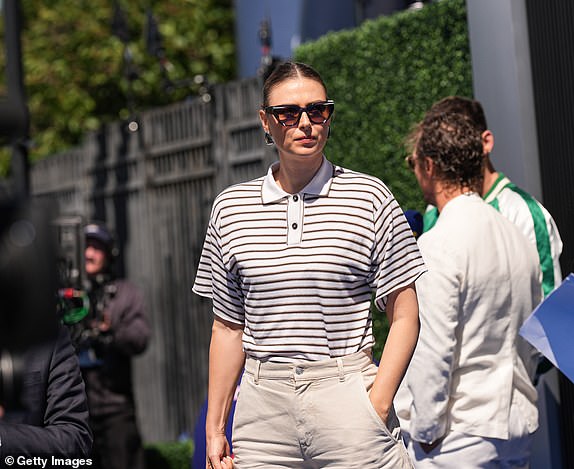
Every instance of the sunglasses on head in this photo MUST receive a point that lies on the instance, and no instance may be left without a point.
(410, 160)
(288, 115)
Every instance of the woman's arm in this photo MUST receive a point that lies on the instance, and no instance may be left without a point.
(403, 314)
(226, 360)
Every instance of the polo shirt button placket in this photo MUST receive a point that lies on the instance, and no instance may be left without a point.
(295, 215)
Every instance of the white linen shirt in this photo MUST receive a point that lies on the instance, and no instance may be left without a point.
(470, 365)
(299, 271)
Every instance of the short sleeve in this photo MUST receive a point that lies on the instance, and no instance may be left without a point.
(214, 280)
(396, 260)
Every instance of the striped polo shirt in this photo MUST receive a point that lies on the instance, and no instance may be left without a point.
(299, 271)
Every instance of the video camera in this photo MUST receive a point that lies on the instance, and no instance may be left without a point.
(73, 302)
(28, 282)
(42, 283)
(36, 262)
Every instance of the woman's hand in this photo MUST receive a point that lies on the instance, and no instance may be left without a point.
(217, 453)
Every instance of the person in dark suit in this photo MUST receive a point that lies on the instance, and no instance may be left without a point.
(51, 417)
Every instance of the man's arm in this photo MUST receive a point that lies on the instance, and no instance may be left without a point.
(226, 360)
(430, 371)
(64, 431)
(402, 312)
(129, 325)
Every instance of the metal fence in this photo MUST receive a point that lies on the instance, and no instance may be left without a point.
(155, 188)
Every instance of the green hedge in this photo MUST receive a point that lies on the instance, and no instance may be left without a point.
(383, 75)
(169, 455)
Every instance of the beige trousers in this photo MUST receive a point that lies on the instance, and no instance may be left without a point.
(313, 415)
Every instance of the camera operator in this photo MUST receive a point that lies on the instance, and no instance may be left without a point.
(115, 329)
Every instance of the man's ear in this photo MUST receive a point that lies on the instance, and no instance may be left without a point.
(487, 142)
(428, 165)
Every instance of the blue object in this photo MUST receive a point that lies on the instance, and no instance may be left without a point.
(549, 328)
(198, 460)
(415, 220)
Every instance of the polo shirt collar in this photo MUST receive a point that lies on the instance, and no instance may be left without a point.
(319, 185)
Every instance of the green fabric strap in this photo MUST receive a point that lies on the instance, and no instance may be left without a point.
(542, 238)
(430, 218)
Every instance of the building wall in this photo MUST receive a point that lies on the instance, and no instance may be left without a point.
(297, 21)
(523, 65)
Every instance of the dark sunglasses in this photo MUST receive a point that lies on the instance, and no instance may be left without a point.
(288, 115)
(410, 160)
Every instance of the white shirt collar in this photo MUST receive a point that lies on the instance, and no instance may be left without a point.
(319, 185)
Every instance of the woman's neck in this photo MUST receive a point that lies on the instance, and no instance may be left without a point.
(292, 175)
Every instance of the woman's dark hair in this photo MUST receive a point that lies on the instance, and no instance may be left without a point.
(454, 144)
(285, 71)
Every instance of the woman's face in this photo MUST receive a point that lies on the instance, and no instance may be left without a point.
(305, 139)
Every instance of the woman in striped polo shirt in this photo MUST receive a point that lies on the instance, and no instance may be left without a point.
(291, 261)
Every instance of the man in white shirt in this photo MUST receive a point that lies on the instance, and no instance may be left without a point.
(514, 203)
(473, 401)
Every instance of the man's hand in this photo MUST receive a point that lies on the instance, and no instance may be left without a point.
(106, 323)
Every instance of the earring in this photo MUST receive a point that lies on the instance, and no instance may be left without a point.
(268, 139)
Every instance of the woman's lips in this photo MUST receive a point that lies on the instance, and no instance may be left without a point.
(306, 140)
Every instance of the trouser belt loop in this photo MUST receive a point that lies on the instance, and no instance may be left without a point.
(256, 374)
(341, 369)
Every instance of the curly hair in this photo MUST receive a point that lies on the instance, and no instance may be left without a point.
(462, 105)
(455, 146)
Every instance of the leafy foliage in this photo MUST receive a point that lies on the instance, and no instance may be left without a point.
(74, 65)
(169, 455)
(383, 76)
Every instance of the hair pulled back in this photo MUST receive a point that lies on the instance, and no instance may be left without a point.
(285, 71)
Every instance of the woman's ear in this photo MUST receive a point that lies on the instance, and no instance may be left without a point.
(264, 121)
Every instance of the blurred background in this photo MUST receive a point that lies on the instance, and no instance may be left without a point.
(138, 113)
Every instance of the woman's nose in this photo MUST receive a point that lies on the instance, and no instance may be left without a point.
(304, 120)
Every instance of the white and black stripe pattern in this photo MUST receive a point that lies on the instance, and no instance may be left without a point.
(306, 295)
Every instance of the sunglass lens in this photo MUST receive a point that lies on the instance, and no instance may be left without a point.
(287, 115)
(319, 113)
